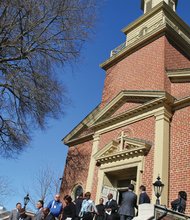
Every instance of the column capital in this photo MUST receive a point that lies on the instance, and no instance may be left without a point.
(96, 137)
(163, 113)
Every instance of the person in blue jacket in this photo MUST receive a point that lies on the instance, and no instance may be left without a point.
(143, 197)
(55, 206)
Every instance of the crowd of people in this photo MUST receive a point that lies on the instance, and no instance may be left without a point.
(84, 208)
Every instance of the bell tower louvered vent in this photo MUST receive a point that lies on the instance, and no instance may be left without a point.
(148, 5)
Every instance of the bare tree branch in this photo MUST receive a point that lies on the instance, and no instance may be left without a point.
(45, 185)
(36, 35)
(5, 189)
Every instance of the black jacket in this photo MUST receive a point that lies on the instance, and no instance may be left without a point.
(179, 205)
(144, 198)
(111, 205)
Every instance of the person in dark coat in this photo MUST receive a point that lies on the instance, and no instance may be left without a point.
(128, 204)
(47, 214)
(39, 214)
(23, 215)
(69, 210)
(78, 204)
(179, 204)
(111, 208)
(14, 215)
(143, 197)
(101, 210)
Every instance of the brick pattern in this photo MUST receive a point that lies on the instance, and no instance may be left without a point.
(95, 181)
(144, 130)
(180, 155)
(180, 90)
(76, 168)
(174, 58)
(142, 70)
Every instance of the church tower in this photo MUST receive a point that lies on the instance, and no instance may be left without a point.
(147, 5)
(141, 128)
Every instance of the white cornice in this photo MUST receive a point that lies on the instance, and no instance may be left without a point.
(179, 75)
(134, 96)
(162, 20)
(81, 125)
(165, 99)
(182, 103)
(73, 141)
(143, 18)
(113, 152)
(99, 122)
(161, 6)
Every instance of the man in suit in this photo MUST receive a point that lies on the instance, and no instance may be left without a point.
(143, 197)
(23, 215)
(14, 215)
(39, 213)
(78, 204)
(128, 204)
(111, 208)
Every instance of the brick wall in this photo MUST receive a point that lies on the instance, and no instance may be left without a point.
(174, 58)
(142, 70)
(76, 168)
(180, 155)
(180, 90)
(144, 130)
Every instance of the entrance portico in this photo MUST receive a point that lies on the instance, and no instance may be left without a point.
(117, 182)
(121, 163)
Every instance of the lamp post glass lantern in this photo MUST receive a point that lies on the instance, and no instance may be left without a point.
(158, 188)
(26, 200)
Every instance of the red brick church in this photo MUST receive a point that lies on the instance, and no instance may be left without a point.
(141, 128)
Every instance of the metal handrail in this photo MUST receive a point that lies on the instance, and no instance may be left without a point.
(118, 49)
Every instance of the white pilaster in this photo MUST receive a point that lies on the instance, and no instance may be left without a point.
(161, 152)
(100, 184)
(92, 163)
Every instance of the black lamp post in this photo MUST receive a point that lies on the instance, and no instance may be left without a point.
(26, 200)
(158, 187)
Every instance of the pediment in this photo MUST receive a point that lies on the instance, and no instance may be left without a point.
(122, 148)
(104, 116)
(109, 149)
(81, 130)
(133, 96)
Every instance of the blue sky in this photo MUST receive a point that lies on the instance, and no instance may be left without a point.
(84, 85)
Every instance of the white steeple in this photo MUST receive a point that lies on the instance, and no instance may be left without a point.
(147, 5)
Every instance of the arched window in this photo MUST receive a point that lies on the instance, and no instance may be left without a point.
(78, 191)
